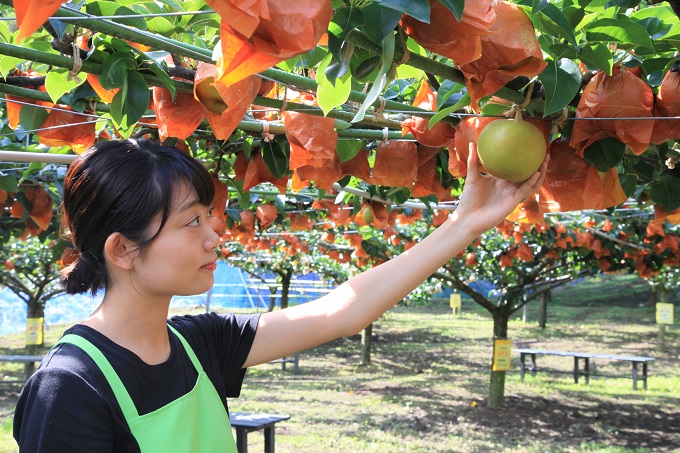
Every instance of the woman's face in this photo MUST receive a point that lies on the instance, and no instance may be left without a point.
(182, 259)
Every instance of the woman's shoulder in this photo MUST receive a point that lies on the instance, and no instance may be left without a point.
(211, 323)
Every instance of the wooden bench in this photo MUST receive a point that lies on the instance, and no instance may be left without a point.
(245, 423)
(20, 359)
(295, 360)
(585, 356)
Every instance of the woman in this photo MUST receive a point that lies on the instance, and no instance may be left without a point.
(127, 379)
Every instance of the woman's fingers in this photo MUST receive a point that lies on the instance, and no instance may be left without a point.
(531, 185)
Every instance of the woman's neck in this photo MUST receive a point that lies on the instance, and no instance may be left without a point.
(135, 323)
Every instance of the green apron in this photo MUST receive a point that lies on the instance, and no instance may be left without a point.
(194, 422)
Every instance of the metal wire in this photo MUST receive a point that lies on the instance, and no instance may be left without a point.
(58, 109)
(479, 115)
(124, 16)
(33, 131)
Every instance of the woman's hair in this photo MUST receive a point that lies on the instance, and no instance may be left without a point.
(121, 186)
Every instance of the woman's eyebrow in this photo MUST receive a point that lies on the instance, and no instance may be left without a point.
(188, 204)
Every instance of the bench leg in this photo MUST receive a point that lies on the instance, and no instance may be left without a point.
(635, 375)
(586, 369)
(241, 440)
(296, 366)
(644, 375)
(522, 366)
(533, 365)
(575, 370)
(269, 445)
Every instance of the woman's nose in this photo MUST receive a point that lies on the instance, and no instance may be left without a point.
(216, 226)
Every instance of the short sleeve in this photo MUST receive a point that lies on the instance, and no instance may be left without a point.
(60, 411)
(222, 343)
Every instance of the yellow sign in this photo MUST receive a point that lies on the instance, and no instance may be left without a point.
(501, 355)
(34, 331)
(455, 301)
(664, 313)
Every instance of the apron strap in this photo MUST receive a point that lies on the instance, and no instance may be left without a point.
(187, 348)
(122, 395)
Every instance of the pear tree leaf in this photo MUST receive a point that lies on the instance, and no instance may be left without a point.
(561, 81)
(275, 158)
(455, 6)
(665, 192)
(328, 95)
(381, 79)
(57, 82)
(604, 154)
(348, 149)
(464, 100)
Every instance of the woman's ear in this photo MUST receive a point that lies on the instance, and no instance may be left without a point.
(119, 251)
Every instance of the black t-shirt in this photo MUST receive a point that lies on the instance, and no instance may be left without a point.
(68, 406)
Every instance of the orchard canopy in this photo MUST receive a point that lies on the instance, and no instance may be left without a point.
(344, 113)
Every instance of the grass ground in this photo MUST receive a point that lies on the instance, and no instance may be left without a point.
(426, 387)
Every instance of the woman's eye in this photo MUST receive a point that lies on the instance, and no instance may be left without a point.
(195, 221)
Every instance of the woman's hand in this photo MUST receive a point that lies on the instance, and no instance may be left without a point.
(487, 200)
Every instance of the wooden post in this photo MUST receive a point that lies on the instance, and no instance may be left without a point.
(664, 315)
(366, 344)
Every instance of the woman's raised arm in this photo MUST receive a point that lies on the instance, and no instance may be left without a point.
(352, 306)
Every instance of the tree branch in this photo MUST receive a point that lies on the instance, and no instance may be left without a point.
(481, 300)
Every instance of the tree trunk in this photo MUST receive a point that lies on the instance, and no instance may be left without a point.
(543, 309)
(661, 297)
(497, 384)
(285, 288)
(366, 335)
(35, 310)
(272, 299)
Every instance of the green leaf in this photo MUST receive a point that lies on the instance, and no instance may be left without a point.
(494, 109)
(665, 192)
(243, 198)
(464, 100)
(130, 103)
(9, 184)
(379, 21)
(103, 8)
(32, 117)
(57, 82)
(330, 96)
(160, 25)
(574, 15)
(560, 50)
(598, 56)
(381, 80)
(604, 154)
(8, 63)
(165, 78)
(456, 7)
(418, 9)
(628, 183)
(338, 67)
(115, 70)
(5, 33)
(620, 31)
(561, 83)
(406, 71)
(275, 158)
(554, 21)
(399, 195)
(79, 99)
(344, 20)
(348, 149)
(366, 67)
